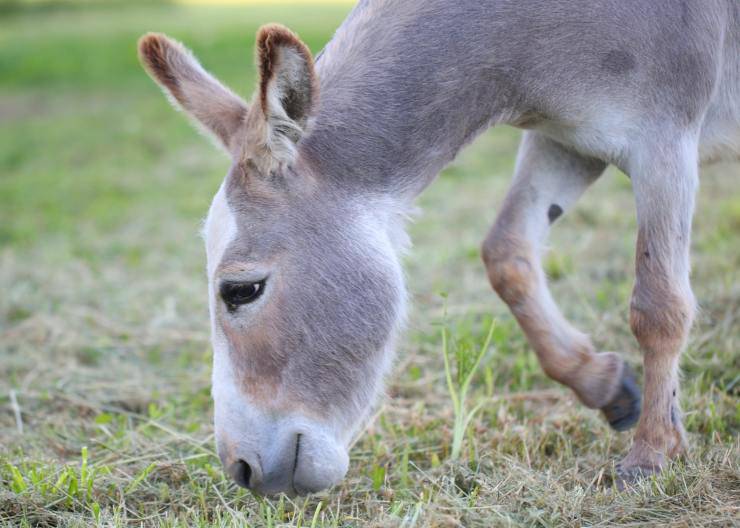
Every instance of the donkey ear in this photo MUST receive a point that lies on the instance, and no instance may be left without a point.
(288, 89)
(190, 87)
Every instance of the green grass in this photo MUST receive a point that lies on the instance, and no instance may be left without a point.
(104, 352)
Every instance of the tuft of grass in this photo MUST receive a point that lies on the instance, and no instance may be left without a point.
(466, 362)
(558, 265)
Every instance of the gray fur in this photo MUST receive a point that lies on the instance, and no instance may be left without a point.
(405, 84)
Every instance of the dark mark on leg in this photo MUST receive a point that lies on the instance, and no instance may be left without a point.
(554, 212)
(675, 418)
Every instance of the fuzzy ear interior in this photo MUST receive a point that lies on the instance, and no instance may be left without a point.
(216, 108)
(288, 89)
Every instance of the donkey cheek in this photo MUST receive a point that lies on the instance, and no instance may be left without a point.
(257, 369)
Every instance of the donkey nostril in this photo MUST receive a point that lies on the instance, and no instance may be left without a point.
(241, 472)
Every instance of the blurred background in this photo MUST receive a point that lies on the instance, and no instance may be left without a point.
(105, 412)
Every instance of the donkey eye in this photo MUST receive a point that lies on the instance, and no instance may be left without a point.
(235, 294)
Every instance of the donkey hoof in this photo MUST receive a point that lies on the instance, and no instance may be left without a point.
(629, 476)
(624, 410)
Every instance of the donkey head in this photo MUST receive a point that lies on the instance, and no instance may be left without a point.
(305, 286)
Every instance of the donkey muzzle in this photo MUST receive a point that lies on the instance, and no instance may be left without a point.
(294, 461)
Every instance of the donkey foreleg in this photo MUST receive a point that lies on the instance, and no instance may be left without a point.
(548, 180)
(665, 180)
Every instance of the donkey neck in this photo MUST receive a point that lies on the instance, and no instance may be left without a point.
(394, 109)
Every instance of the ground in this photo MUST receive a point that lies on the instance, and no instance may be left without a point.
(105, 412)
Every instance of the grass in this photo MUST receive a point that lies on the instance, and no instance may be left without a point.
(467, 362)
(104, 352)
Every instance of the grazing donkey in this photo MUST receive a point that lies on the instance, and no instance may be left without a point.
(303, 238)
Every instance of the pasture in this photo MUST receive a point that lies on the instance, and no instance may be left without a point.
(105, 410)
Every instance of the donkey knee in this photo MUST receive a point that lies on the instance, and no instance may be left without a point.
(661, 316)
(510, 268)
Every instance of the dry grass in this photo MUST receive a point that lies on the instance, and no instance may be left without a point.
(104, 337)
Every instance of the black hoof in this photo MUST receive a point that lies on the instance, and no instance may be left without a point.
(624, 410)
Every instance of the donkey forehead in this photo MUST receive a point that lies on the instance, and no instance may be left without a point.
(253, 222)
(235, 237)
(241, 209)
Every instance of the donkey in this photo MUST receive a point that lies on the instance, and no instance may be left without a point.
(303, 237)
